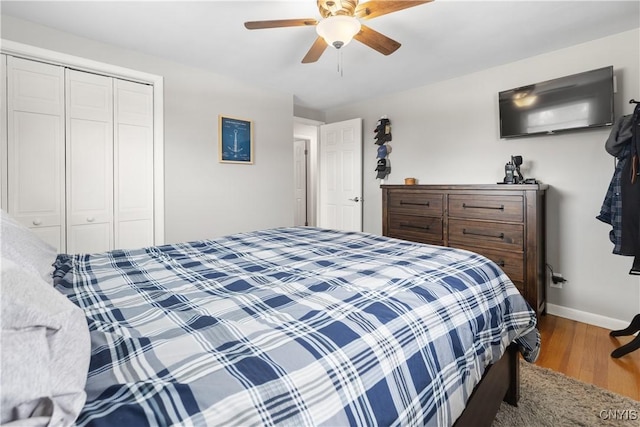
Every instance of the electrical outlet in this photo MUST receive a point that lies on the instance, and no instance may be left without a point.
(557, 280)
(555, 285)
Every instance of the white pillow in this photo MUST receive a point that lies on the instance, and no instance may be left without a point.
(45, 351)
(22, 246)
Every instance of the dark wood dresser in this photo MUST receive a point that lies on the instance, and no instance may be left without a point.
(505, 223)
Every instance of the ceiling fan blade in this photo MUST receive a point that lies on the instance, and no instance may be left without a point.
(279, 23)
(374, 8)
(316, 51)
(377, 41)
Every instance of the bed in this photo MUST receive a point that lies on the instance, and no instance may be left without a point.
(295, 326)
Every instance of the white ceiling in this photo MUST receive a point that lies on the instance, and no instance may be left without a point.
(440, 40)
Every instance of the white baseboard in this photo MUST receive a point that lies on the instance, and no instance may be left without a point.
(586, 317)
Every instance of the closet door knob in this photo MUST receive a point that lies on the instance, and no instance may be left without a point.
(91, 219)
(37, 221)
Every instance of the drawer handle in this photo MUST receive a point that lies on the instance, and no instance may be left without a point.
(418, 227)
(501, 263)
(402, 202)
(37, 221)
(501, 208)
(476, 233)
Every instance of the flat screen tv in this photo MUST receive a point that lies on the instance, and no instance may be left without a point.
(579, 101)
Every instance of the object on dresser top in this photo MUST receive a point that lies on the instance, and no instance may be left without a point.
(512, 173)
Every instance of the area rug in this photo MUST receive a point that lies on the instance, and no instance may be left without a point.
(548, 398)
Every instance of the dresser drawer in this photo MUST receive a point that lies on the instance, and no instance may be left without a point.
(416, 202)
(492, 235)
(419, 228)
(512, 263)
(495, 208)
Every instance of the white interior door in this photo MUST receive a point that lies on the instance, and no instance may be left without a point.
(35, 148)
(300, 152)
(341, 175)
(89, 162)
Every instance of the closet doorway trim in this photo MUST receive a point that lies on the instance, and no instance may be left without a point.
(34, 53)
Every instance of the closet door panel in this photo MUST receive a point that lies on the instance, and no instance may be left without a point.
(35, 172)
(32, 161)
(135, 234)
(134, 103)
(35, 148)
(135, 187)
(90, 238)
(89, 162)
(134, 165)
(90, 169)
(51, 235)
(36, 87)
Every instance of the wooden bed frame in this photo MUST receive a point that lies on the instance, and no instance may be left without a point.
(500, 382)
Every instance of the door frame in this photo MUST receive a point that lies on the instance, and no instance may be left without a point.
(9, 47)
(307, 191)
(310, 130)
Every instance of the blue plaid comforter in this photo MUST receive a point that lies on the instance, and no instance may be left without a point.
(291, 326)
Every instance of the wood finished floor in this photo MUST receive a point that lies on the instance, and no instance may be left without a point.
(583, 351)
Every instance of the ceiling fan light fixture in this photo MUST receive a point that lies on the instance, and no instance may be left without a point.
(338, 30)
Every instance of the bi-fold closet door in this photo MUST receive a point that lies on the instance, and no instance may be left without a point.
(80, 157)
(35, 148)
(89, 154)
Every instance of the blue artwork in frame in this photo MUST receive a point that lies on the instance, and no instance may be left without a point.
(235, 138)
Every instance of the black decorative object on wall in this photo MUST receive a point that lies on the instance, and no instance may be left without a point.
(382, 137)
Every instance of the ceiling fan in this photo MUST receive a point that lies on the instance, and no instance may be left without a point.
(341, 22)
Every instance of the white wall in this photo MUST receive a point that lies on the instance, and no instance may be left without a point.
(308, 113)
(203, 198)
(448, 133)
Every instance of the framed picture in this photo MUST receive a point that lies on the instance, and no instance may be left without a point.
(235, 140)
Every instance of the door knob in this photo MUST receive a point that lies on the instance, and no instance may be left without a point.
(355, 199)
